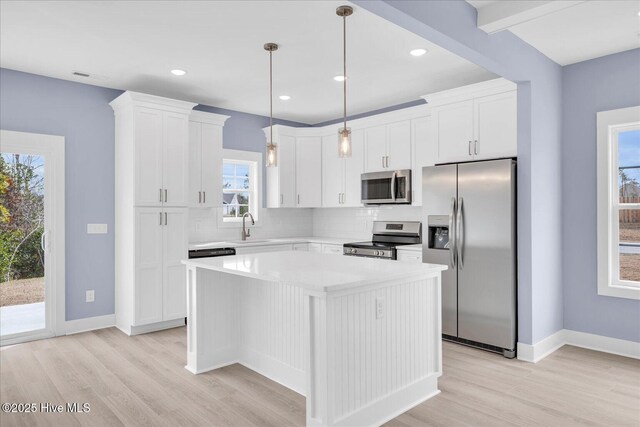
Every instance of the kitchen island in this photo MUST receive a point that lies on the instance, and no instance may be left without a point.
(359, 337)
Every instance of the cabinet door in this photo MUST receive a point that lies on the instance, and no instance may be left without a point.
(211, 166)
(148, 266)
(195, 161)
(301, 247)
(399, 145)
(331, 249)
(309, 172)
(287, 171)
(425, 152)
(148, 156)
(175, 165)
(495, 124)
(353, 169)
(453, 126)
(175, 249)
(332, 173)
(375, 140)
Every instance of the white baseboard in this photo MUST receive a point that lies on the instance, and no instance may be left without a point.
(538, 351)
(89, 324)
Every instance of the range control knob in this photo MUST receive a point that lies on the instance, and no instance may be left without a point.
(354, 251)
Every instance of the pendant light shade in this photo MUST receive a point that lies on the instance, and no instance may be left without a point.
(272, 148)
(344, 134)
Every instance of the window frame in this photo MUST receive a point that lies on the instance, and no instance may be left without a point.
(254, 161)
(609, 125)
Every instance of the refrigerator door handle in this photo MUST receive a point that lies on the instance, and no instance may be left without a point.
(452, 236)
(460, 233)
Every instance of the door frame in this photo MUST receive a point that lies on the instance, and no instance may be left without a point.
(52, 147)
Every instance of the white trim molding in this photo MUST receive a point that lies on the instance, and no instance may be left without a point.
(608, 124)
(538, 351)
(90, 324)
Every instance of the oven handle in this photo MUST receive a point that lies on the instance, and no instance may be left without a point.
(394, 190)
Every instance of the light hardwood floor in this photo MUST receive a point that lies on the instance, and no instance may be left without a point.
(141, 380)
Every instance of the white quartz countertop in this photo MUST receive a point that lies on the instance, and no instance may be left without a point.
(315, 271)
(257, 241)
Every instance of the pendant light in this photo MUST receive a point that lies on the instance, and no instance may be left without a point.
(344, 134)
(272, 149)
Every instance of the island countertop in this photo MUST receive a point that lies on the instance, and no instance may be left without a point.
(315, 271)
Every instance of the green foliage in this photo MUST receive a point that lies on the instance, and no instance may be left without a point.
(21, 216)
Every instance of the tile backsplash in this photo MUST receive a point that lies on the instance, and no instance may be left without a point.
(353, 223)
(203, 225)
(357, 223)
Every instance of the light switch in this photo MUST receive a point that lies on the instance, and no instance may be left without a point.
(96, 228)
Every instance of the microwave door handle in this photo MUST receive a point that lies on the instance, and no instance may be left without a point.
(394, 190)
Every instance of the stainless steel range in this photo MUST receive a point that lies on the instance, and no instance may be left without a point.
(387, 235)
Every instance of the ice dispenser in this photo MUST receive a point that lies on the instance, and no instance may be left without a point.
(438, 232)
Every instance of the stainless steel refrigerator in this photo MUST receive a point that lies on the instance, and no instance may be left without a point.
(470, 212)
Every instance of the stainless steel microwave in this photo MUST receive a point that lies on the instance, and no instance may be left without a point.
(388, 187)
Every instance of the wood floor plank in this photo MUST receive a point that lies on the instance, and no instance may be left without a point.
(140, 381)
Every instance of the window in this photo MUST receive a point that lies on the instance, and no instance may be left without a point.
(240, 176)
(619, 203)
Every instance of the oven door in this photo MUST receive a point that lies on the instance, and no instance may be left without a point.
(392, 187)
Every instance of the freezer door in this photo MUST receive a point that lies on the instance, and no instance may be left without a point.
(486, 253)
(439, 198)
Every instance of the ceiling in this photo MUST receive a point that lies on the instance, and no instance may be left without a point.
(134, 44)
(571, 31)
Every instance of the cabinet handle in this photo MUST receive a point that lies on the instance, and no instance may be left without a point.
(339, 198)
(387, 157)
(469, 147)
(383, 162)
(204, 197)
(165, 218)
(165, 195)
(298, 199)
(160, 213)
(199, 196)
(160, 191)
(475, 147)
(343, 198)
(281, 199)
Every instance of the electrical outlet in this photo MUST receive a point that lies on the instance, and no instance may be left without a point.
(96, 228)
(379, 308)
(91, 296)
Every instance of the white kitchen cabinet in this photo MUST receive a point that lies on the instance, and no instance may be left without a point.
(301, 247)
(409, 256)
(160, 246)
(151, 195)
(495, 126)
(388, 147)
(315, 247)
(281, 179)
(242, 250)
(205, 159)
(341, 176)
(425, 153)
(308, 172)
(328, 248)
(160, 156)
(481, 128)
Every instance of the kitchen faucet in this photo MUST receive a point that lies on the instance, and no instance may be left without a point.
(245, 231)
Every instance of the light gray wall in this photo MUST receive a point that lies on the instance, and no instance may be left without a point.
(452, 25)
(600, 84)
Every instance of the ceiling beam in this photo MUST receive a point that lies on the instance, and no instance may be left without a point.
(501, 15)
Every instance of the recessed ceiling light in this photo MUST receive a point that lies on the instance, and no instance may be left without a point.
(285, 97)
(178, 72)
(418, 52)
(339, 78)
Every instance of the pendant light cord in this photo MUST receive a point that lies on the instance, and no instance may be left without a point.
(344, 62)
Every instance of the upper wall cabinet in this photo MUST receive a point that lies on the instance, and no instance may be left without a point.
(388, 147)
(281, 185)
(155, 156)
(341, 176)
(425, 153)
(475, 122)
(205, 159)
(308, 171)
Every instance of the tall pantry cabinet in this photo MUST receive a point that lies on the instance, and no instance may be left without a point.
(151, 199)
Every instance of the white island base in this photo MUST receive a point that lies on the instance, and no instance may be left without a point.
(360, 338)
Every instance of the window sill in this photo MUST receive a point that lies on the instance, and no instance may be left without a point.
(619, 291)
